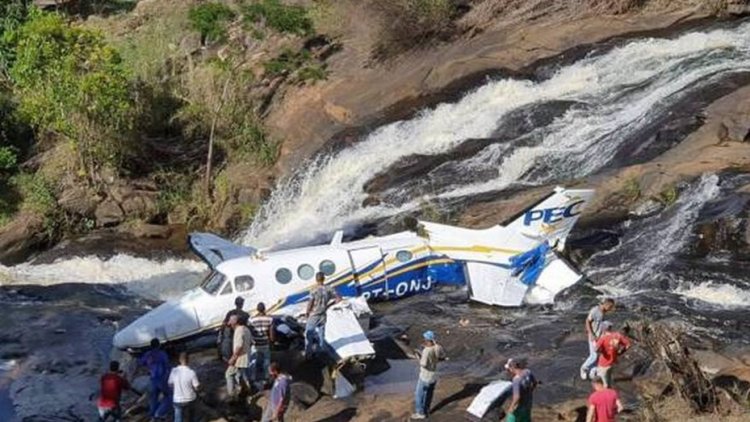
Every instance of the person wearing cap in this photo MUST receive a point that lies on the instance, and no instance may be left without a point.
(594, 320)
(609, 347)
(317, 306)
(603, 404)
(428, 361)
(224, 340)
(523, 385)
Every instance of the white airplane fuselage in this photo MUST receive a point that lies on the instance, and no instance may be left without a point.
(376, 268)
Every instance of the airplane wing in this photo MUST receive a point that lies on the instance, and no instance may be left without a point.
(345, 327)
(488, 395)
(214, 250)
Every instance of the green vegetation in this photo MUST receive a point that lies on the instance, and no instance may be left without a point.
(632, 189)
(668, 195)
(210, 19)
(297, 66)
(282, 18)
(70, 82)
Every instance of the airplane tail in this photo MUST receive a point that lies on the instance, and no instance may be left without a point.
(553, 218)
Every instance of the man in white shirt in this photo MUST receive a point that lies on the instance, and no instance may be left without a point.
(185, 384)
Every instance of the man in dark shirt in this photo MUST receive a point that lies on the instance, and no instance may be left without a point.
(224, 341)
(524, 384)
(316, 314)
(112, 385)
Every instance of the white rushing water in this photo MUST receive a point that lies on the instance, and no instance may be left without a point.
(642, 254)
(716, 294)
(622, 91)
(155, 279)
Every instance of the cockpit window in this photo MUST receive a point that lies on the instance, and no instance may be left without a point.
(227, 289)
(283, 275)
(243, 283)
(213, 282)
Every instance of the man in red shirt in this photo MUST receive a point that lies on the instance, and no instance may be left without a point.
(604, 403)
(610, 346)
(112, 386)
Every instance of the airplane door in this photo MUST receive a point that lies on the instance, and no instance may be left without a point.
(369, 271)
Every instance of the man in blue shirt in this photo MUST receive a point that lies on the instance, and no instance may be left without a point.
(157, 362)
(278, 402)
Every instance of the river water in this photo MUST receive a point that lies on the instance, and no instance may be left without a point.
(584, 117)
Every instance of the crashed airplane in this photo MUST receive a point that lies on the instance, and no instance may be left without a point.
(502, 265)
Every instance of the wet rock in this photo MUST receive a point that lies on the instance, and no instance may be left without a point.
(738, 7)
(304, 393)
(78, 200)
(647, 208)
(19, 237)
(109, 213)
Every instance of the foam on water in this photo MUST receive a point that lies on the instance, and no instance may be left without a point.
(622, 90)
(716, 294)
(156, 279)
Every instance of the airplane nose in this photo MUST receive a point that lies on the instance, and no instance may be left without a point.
(169, 321)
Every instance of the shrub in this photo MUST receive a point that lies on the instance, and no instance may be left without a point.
(36, 193)
(210, 20)
(13, 14)
(411, 23)
(298, 65)
(291, 19)
(70, 82)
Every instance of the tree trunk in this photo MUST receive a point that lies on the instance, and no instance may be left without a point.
(210, 155)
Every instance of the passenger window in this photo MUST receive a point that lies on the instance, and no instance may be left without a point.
(227, 289)
(243, 283)
(283, 275)
(404, 256)
(305, 271)
(327, 267)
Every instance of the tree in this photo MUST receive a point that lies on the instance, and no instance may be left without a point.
(70, 82)
(210, 20)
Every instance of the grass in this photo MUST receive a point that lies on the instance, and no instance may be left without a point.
(280, 17)
(298, 66)
(408, 24)
(668, 195)
(632, 189)
(210, 19)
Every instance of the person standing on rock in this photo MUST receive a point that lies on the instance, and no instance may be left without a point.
(157, 362)
(237, 369)
(316, 314)
(260, 354)
(610, 346)
(278, 400)
(428, 362)
(523, 385)
(185, 384)
(603, 404)
(593, 331)
(112, 385)
(224, 340)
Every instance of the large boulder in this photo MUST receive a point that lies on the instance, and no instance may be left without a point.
(78, 200)
(109, 213)
(19, 237)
